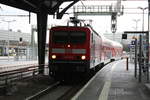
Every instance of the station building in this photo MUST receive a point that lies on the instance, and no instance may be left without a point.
(11, 42)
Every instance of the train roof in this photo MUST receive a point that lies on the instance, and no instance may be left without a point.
(107, 41)
(69, 26)
(111, 43)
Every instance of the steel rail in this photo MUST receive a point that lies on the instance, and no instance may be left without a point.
(67, 94)
(43, 92)
(71, 92)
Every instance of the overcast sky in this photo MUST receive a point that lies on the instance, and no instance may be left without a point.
(100, 23)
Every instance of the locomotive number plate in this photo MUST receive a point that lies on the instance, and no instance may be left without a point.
(68, 57)
(68, 51)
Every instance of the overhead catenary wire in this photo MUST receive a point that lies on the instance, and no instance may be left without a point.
(82, 3)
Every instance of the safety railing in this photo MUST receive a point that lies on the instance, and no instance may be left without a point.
(7, 78)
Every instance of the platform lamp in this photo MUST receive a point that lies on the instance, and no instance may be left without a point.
(136, 25)
(143, 9)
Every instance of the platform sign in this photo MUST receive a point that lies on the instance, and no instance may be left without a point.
(132, 42)
(143, 48)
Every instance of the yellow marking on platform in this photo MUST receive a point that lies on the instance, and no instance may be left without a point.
(105, 90)
(107, 85)
(81, 90)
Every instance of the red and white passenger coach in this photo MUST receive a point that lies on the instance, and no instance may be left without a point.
(79, 49)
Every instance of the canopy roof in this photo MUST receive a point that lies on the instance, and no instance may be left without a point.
(50, 6)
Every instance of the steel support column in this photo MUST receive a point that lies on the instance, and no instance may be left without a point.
(41, 27)
(135, 59)
(148, 41)
(140, 58)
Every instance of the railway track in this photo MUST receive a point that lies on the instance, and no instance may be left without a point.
(60, 91)
(39, 87)
(43, 92)
(57, 91)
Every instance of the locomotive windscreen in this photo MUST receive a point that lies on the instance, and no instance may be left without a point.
(68, 37)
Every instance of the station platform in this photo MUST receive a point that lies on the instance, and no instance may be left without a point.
(114, 82)
(7, 64)
(13, 64)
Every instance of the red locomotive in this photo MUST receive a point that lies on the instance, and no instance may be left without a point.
(78, 49)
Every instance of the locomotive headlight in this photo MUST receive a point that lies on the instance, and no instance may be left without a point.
(83, 57)
(68, 45)
(53, 56)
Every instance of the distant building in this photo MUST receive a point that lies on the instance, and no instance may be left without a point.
(13, 41)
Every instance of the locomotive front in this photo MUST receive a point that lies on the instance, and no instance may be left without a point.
(68, 50)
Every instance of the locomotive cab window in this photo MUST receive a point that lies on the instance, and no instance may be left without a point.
(59, 37)
(77, 37)
(68, 37)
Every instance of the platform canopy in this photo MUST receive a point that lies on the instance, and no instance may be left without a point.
(50, 5)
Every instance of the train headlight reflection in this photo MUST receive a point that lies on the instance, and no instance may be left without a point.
(53, 56)
(83, 57)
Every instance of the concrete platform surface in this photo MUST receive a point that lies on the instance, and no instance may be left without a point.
(114, 82)
(147, 85)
